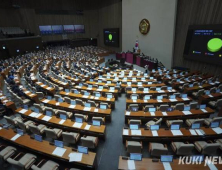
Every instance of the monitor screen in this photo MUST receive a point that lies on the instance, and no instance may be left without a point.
(67, 90)
(87, 104)
(172, 96)
(151, 78)
(150, 83)
(20, 131)
(90, 86)
(26, 107)
(146, 97)
(136, 156)
(48, 113)
(218, 91)
(134, 97)
(134, 109)
(145, 89)
(152, 109)
(58, 143)
(159, 97)
(60, 100)
(169, 88)
(134, 89)
(62, 116)
(207, 92)
(158, 89)
(98, 95)
(169, 109)
(108, 82)
(214, 124)
(103, 106)
(129, 83)
(166, 158)
(184, 96)
(154, 127)
(82, 149)
(139, 83)
(96, 123)
(100, 87)
(86, 93)
(134, 127)
(187, 108)
(111, 37)
(195, 126)
(99, 81)
(38, 138)
(202, 106)
(109, 96)
(73, 102)
(190, 85)
(175, 127)
(36, 110)
(78, 119)
(76, 91)
(112, 88)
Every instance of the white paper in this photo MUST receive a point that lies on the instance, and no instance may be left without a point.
(167, 166)
(164, 113)
(96, 110)
(145, 101)
(185, 99)
(131, 164)
(59, 151)
(111, 90)
(186, 112)
(173, 100)
(211, 165)
(108, 99)
(87, 127)
(61, 121)
(210, 95)
(72, 106)
(48, 88)
(192, 132)
(127, 113)
(217, 130)
(152, 113)
(204, 110)
(38, 115)
(46, 101)
(176, 132)
(87, 108)
(84, 96)
(57, 104)
(77, 125)
(159, 100)
(125, 132)
(160, 91)
(33, 114)
(199, 132)
(46, 118)
(15, 137)
(154, 132)
(136, 132)
(23, 111)
(96, 98)
(77, 157)
(134, 101)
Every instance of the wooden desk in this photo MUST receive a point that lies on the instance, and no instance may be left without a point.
(90, 97)
(50, 90)
(9, 104)
(144, 85)
(175, 114)
(67, 125)
(101, 84)
(148, 164)
(150, 92)
(44, 148)
(207, 98)
(72, 79)
(80, 109)
(196, 88)
(59, 83)
(156, 103)
(30, 95)
(167, 135)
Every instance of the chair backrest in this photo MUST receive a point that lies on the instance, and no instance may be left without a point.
(49, 109)
(164, 88)
(216, 119)
(34, 129)
(213, 90)
(9, 120)
(153, 88)
(79, 102)
(81, 116)
(128, 88)
(68, 137)
(21, 125)
(193, 105)
(219, 103)
(38, 107)
(210, 148)
(93, 104)
(40, 95)
(100, 119)
(158, 122)
(185, 149)
(61, 112)
(133, 147)
(201, 121)
(135, 122)
(140, 88)
(87, 142)
(176, 94)
(67, 100)
(50, 133)
(132, 106)
(179, 106)
(186, 85)
(163, 107)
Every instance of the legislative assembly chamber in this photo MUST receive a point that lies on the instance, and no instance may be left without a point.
(111, 85)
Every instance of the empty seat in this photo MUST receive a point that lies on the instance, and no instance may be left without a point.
(193, 105)
(40, 95)
(134, 122)
(12, 121)
(49, 165)
(49, 109)
(208, 121)
(219, 141)
(81, 116)
(79, 102)
(155, 121)
(206, 148)
(92, 103)
(68, 114)
(163, 107)
(134, 146)
(133, 106)
(216, 104)
(147, 107)
(53, 133)
(38, 106)
(174, 122)
(179, 106)
(70, 137)
(157, 149)
(89, 141)
(39, 130)
(198, 94)
(67, 100)
(181, 148)
(24, 125)
(7, 152)
(189, 122)
(100, 119)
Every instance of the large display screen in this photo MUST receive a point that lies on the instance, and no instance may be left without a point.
(203, 43)
(111, 37)
(46, 29)
(57, 29)
(68, 28)
(79, 28)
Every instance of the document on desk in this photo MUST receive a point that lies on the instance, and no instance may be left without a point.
(145, 91)
(99, 89)
(77, 125)
(176, 132)
(84, 96)
(173, 100)
(26, 92)
(46, 118)
(38, 115)
(96, 110)
(111, 90)
(87, 127)
(134, 101)
(33, 114)
(154, 132)
(59, 151)
(199, 132)
(72, 106)
(127, 113)
(131, 164)
(217, 130)
(23, 111)
(136, 132)
(89, 88)
(96, 98)
(204, 110)
(167, 166)
(161, 91)
(15, 137)
(187, 112)
(185, 99)
(211, 165)
(125, 132)
(145, 101)
(87, 108)
(57, 104)
(108, 99)
(159, 101)
(164, 113)
(45, 101)
(75, 157)
(48, 88)
(61, 121)
(192, 132)
(152, 113)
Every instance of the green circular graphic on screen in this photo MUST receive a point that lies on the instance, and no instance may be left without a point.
(110, 37)
(214, 44)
